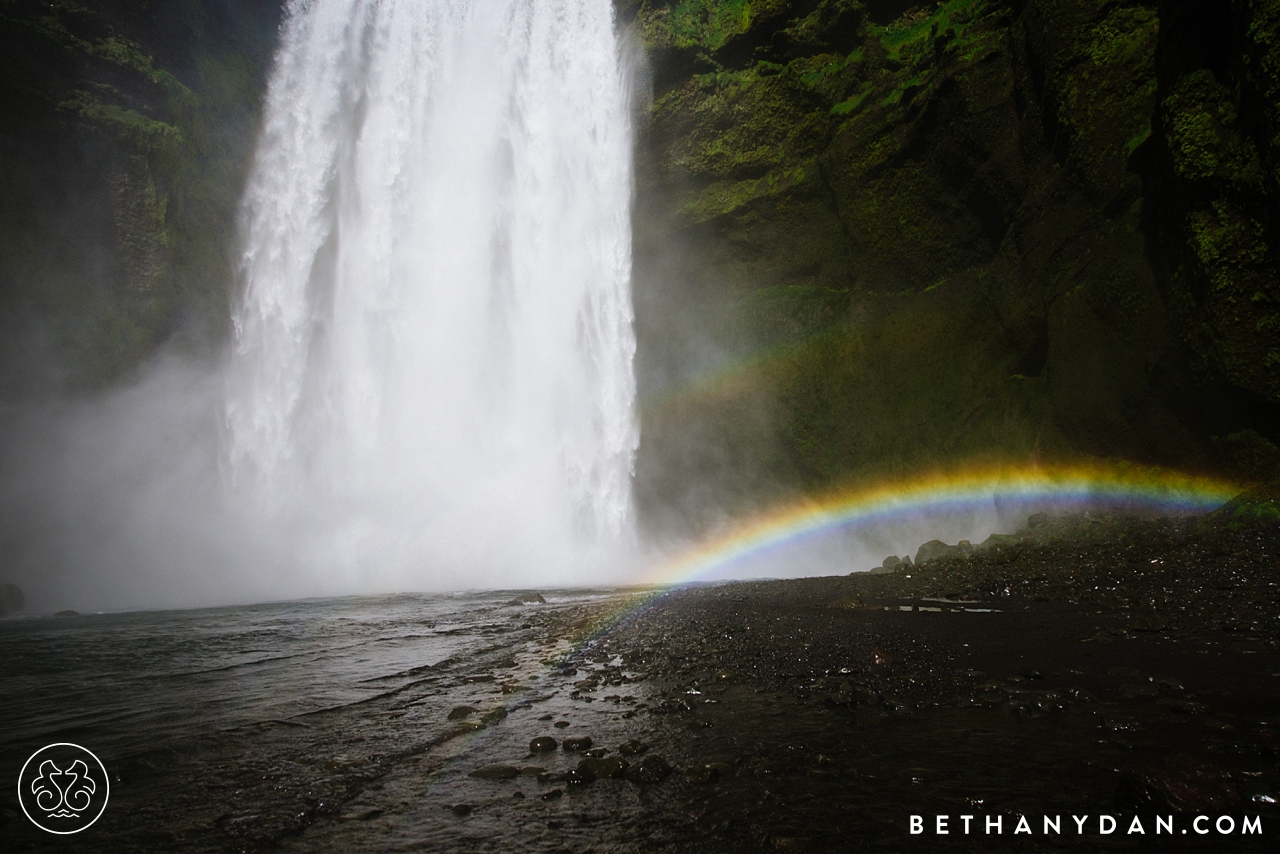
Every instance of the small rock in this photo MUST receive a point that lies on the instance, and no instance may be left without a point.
(493, 716)
(580, 776)
(362, 815)
(608, 767)
(542, 744)
(651, 769)
(518, 795)
(495, 772)
(701, 774)
(632, 748)
(883, 656)
(597, 752)
(579, 743)
(552, 795)
(460, 712)
(532, 771)
(560, 724)
(461, 809)
(528, 599)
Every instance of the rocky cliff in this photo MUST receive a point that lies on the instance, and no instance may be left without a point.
(875, 237)
(126, 128)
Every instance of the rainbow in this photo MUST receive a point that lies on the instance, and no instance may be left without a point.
(1119, 486)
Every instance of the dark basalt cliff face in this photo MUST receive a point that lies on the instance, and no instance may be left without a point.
(874, 239)
(126, 130)
(871, 237)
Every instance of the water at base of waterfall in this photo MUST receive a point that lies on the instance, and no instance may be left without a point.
(240, 727)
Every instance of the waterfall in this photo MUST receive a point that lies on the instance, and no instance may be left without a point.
(432, 361)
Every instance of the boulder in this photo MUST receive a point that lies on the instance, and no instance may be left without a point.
(933, 550)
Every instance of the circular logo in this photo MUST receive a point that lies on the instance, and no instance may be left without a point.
(63, 788)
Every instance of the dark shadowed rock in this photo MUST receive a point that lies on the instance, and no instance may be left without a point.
(605, 767)
(580, 776)
(542, 744)
(632, 748)
(528, 599)
(461, 712)
(495, 772)
(935, 549)
(651, 769)
(579, 743)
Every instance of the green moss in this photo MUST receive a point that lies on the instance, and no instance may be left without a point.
(1222, 237)
(1105, 100)
(126, 123)
(852, 104)
(1199, 120)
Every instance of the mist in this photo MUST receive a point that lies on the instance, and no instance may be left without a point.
(429, 382)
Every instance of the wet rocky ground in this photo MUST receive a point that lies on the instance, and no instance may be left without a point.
(1086, 668)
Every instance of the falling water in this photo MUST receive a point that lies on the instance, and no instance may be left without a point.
(432, 358)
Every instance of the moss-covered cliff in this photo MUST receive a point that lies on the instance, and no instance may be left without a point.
(888, 238)
(125, 132)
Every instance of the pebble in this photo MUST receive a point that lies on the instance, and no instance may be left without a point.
(461, 809)
(542, 744)
(532, 771)
(460, 712)
(561, 724)
(582, 742)
(552, 795)
(632, 748)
